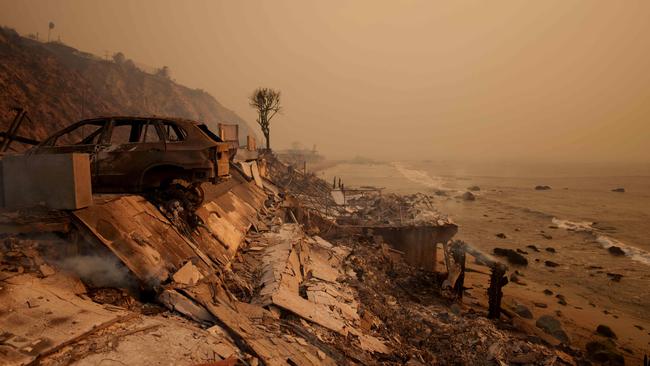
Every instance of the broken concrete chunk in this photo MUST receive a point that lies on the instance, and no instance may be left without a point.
(188, 275)
(322, 272)
(309, 310)
(322, 242)
(177, 302)
(46, 270)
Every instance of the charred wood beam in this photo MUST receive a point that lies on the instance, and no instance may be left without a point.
(458, 255)
(498, 279)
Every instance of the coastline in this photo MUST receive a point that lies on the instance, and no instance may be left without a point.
(596, 287)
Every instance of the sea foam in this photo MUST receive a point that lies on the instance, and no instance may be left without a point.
(605, 241)
(419, 176)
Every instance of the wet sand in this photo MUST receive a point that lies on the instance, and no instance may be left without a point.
(577, 218)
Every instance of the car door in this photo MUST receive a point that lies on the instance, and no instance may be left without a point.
(134, 145)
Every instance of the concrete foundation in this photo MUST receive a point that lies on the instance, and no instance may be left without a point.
(419, 243)
(58, 181)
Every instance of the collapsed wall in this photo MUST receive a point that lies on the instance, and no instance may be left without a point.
(153, 249)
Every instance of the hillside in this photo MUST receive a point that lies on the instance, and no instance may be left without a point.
(58, 85)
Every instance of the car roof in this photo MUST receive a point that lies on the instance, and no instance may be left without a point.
(152, 118)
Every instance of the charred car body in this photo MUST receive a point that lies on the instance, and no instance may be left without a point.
(136, 154)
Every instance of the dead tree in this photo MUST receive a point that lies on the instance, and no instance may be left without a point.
(267, 103)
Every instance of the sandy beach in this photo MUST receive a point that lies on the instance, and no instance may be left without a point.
(564, 232)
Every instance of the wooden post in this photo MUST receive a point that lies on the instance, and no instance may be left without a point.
(498, 279)
(458, 254)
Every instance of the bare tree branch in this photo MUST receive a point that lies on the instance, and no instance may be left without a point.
(267, 103)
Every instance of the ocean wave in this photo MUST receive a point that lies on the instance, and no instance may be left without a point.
(419, 176)
(573, 226)
(634, 253)
(605, 241)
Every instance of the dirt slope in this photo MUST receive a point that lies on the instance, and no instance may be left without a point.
(59, 85)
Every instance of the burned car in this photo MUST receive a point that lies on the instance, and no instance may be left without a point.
(136, 154)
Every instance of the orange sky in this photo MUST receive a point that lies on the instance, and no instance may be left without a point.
(506, 80)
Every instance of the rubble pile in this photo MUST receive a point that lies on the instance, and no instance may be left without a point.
(406, 306)
(252, 283)
(374, 208)
(365, 206)
(297, 183)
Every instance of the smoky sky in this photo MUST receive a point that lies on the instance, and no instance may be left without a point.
(542, 80)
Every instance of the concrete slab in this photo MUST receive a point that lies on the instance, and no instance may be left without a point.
(140, 236)
(256, 175)
(40, 316)
(58, 181)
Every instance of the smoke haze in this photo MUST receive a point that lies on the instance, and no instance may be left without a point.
(507, 80)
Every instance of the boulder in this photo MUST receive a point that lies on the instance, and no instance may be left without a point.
(512, 256)
(514, 278)
(604, 353)
(468, 196)
(619, 190)
(551, 264)
(605, 331)
(542, 188)
(501, 235)
(532, 247)
(474, 188)
(523, 311)
(552, 326)
(614, 276)
(614, 250)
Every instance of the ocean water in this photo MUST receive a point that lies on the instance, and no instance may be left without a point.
(580, 198)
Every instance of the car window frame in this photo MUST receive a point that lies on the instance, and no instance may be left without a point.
(143, 122)
(129, 122)
(156, 125)
(51, 141)
(175, 126)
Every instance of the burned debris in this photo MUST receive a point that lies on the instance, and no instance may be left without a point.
(267, 269)
(133, 154)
